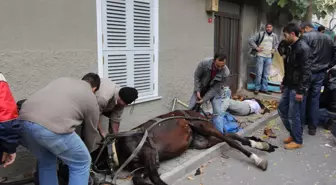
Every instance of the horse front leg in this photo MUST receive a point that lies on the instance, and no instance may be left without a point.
(208, 130)
(139, 178)
(253, 142)
(151, 162)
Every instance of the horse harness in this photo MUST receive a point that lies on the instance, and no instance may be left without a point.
(110, 139)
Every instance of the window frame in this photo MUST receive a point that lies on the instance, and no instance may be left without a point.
(100, 48)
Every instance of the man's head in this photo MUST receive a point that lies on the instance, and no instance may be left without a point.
(127, 95)
(94, 80)
(269, 28)
(321, 29)
(306, 27)
(220, 60)
(291, 33)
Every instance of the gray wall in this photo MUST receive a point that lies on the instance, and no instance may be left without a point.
(43, 40)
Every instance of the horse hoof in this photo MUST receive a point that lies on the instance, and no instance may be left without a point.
(263, 165)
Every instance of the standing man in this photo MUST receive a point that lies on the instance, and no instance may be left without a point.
(112, 100)
(209, 77)
(9, 128)
(295, 85)
(49, 118)
(323, 51)
(263, 45)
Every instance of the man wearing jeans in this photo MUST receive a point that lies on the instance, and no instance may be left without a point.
(323, 51)
(295, 85)
(209, 77)
(49, 118)
(263, 46)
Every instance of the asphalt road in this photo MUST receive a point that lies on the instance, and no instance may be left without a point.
(314, 164)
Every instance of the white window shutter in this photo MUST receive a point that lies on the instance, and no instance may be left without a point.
(128, 45)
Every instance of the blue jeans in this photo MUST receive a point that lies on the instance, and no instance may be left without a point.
(216, 103)
(313, 100)
(263, 68)
(47, 146)
(290, 113)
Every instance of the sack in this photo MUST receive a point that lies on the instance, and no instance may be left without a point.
(226, 123)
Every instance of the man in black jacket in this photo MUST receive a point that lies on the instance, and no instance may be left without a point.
(323, 54)
(295, 85)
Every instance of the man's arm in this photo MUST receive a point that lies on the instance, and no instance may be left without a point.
(197, 77)
(91, 118)
(306, 72)
(216, 88)
(253, 41)
(276, 43)
(333, 61)
(114, 119)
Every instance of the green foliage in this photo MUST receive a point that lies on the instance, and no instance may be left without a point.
(299, 8)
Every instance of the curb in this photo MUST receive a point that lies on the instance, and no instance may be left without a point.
(205, 156)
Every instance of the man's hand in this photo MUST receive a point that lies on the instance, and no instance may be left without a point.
(114, 128)
(259, 49)
(299, 97)
(282, 87)
(8, 159)
(198, 94)
(200, 101)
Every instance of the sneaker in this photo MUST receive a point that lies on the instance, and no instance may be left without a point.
(288, 140)
(292, 145)
(312, 132)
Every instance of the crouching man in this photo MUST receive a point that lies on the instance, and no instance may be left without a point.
(295, 85)
(112, 100)
(209, 77)
(9, 127)
(49, 118)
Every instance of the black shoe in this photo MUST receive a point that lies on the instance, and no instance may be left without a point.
(312, 132)
(266, 92)
(328, 125)
(256, 92)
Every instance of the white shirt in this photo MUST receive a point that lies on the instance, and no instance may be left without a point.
(255, 107)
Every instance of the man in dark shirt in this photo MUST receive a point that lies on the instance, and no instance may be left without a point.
(295, 85)
(322, 58)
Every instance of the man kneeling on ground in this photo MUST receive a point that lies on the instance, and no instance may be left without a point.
(209, 77)
(294, 86)
(49, 118)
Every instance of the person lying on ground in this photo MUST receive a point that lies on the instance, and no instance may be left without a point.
(209, 77)
(49, 118)
(9, 126)
(244, 108)
(112, 100)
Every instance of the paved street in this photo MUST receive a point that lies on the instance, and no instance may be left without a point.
(314, 164)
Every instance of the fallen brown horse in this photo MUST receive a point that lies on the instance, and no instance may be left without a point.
(169, 138)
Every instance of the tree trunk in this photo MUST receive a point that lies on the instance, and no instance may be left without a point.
(309, 15)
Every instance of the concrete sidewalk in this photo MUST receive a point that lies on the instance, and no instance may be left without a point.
(314, 164)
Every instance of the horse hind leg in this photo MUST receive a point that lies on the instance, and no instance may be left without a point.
(253, 142)
(208, 130)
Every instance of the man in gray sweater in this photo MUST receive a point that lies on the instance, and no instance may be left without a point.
(50, 117)
(112, 100)
(209, 77)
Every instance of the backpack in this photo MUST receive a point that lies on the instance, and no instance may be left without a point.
(226, 123)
